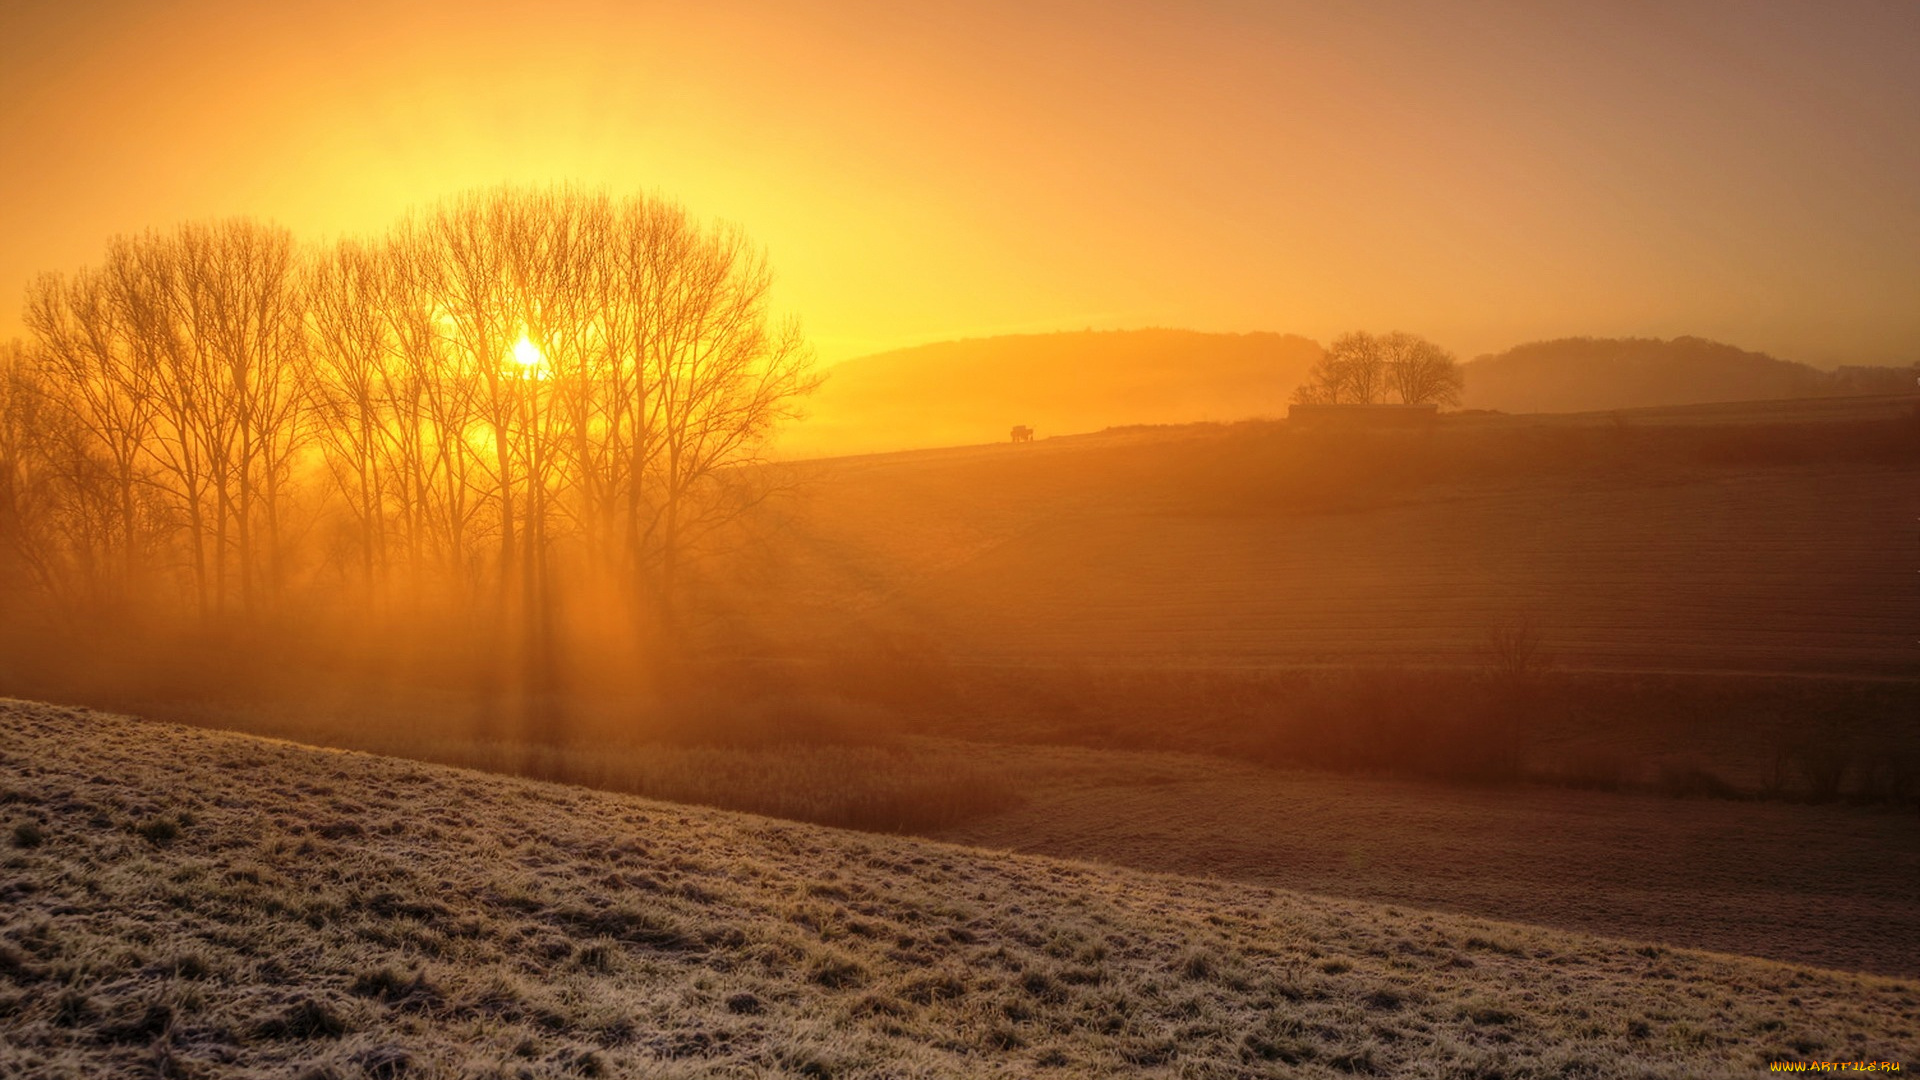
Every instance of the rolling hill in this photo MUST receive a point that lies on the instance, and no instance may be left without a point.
(1722, 538)
(963, 393)
(974, 391)
(183, 902)
(1587, 374)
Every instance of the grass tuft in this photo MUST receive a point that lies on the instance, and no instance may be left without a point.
(159, 830)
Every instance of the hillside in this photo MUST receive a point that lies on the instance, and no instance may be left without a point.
(1772, 879)
(974, 391)
(209, 904)
(1757, 539)
(964, 393)
(1587, 374)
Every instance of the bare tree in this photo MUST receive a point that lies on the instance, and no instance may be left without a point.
(103, 374)
(513, 390)
(1352, 371)
(464, 263)
(1419, 371)
(434, 393)
(652, 374)
(1361, 369)
(345, 297)
(718, 376)
(222, 300)
(147, 291)
(27, 502)
(63, 523)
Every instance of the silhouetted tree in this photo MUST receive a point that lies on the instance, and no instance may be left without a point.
(94, 386)
(1352, 371)
(29, 503)
(511, 390)
(1419, 371)
(1361, 369)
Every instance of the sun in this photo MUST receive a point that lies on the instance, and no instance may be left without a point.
(528, 355)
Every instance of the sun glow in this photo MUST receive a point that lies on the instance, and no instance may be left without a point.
(529, 357)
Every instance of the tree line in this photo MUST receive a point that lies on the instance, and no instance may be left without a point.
(507, 391)
(1365, 369)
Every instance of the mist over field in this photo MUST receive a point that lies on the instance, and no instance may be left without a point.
(1069, 383)
(840, 541)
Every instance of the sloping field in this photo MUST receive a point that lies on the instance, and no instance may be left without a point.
(1825, 885)
(959, 392)
(1767, 538)
(1791, 568)
(181, 902)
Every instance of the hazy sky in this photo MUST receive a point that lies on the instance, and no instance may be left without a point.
(1483, 173)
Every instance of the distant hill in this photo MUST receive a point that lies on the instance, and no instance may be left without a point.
(1587, 374)
(959, 393)
(974, 391)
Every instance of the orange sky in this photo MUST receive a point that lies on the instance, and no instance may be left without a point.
(1483, 174)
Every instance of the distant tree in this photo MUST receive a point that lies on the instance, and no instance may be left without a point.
(1351, 372)
(1421, 372)
(1361, 369)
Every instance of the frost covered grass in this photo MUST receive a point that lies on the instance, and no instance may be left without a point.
(181, 902)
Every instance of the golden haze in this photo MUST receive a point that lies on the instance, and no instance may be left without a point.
(1484, 174)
